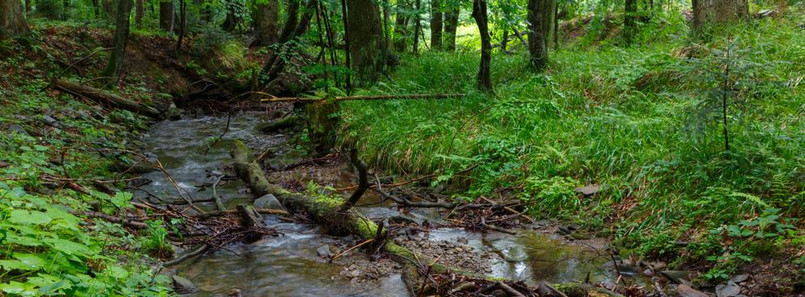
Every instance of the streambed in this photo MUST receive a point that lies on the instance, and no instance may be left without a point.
(290, 264)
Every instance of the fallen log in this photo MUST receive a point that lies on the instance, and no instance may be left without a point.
(354, 98)
(106, 98)
(328, 212)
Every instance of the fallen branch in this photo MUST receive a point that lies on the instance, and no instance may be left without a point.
(104, 97)
(210, 214)
(184, 257)
(353, 98)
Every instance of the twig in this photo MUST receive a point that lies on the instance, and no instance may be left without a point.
(233, 211)
(178, 189)
(218, 202)
(496, 228)
(228, 119)
(365, 242)
(508, 289)
(184, 257)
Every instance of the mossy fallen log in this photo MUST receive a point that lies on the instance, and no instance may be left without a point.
(104, 97)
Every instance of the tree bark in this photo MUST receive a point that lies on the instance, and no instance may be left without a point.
(436, 21)
(166, 15)
(537, 44)
(266, 22)
(550, 18)
(450, 28)
(629, 24)
(49, 9)
(110, 8)
(118, 57)
(719, 11)
(479, 13)
(28, 4)
(291, 21)
(366, 38)
(232, 19)
(139, 12)
(12, 20)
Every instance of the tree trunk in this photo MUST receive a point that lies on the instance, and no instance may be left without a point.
(182, 23)
(479, 13)
(109, 8)
(450, 27)
(232, 19)
(537, 45)
(49, 9)
(550, 18)
(401, 29)
(266, 22)
(12, 20)
(28, 4)
(118, 58)
(629, 24)
(139, 12)
(166, 15)
(719, 11)
(366, 38)
(106, 98)
(436, 21)
(417, 25)
(291, 21)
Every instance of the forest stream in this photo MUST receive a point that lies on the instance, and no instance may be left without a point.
(293, 264)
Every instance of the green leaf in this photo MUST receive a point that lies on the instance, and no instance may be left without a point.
(67, 247)
(31, 261)
(21, 216)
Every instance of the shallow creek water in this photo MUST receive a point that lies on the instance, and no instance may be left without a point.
(288, 265)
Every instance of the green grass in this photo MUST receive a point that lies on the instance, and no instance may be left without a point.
(627, 118)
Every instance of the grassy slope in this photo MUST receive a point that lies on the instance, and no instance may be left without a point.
(626, 118)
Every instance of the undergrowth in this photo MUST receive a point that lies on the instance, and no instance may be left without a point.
(636, 120)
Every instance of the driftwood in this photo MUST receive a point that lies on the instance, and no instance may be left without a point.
(353, 98)
(104, 97)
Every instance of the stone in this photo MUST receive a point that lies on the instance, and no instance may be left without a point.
(268, 201)
(687, 291)
(676, 276)
(183, 286)
(325, 251)
(739, 278)
(401, 220)
(17, 129)
(588, 190)
(462, 240)
(731, 289)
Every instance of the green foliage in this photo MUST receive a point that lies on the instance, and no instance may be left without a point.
(626, 118)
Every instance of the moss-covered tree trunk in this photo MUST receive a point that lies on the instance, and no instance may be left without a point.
(450, 28)
(550, 18)
(109, 8)
(166, 15)
(12, 20)
(537, 44)
(629, 23)
(719, 11)
(118, 57)
(479, 13)
(436, 21)
(266, 22)
(49, 9)
(366, 39)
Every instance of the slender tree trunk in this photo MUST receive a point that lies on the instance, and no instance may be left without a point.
(266, 22)
(386, 31)
(450, 28)
(166, 15)
(118, 58)
(366, 38)
(291, 20)
(436, 21)
(12, 20)
(629, 24)
(550, 16)
(504, 42)
(182, 23)
(556, 25)
(479, 13)
(49, 9)
(719, 11)
(537, 45)
(417, 25)
(28, 4)
(96, 9)
(139, 12)
(401, 29)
